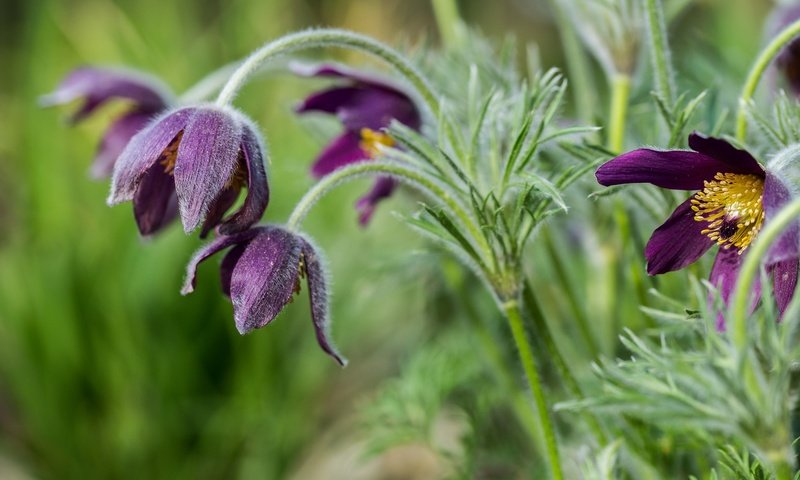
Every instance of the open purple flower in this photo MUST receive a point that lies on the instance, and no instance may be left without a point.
(261, 274)
(734, 196)
(204, 155)
(96, 86)
(365, 104)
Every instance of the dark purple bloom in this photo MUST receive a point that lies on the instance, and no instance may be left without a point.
(366, 105)
(788, 60)
(735, 195)
(261, 274)
(96, 86)
(203, 155)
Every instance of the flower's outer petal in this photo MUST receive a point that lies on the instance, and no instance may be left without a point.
(114, 141)
(784, 282)
(226, 267)
(328, 101)
(257, 199)
(217, 210)
(776, 196)
(788, 60)
(153, 199)
(318, 295)
(145, 149)
(340, 71)
(674, 169)
(343, 150)
(383, 188)
(207, 157)
(723, 277)
(677, 243)
(98, 85)
(737, 161)
(220, 243)
(363, 107)
(264, 278)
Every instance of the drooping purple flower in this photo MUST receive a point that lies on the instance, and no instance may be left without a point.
(261, 274)
(366, 105)
(96, 86)
(203, 155)
(734, 197)
(788, 60)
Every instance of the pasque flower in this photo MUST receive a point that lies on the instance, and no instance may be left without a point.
(261, 274)
(146, 95)
(365, 104)
(734, 196)
(204, 155)
(788, 60)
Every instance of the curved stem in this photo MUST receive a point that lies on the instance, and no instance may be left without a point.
(659, 48)
(762, 62)
(750, 269)
(620, 91)
(328, 38)
(400, 172)
(511, 311)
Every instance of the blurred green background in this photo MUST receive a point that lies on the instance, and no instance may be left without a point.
(106, 371)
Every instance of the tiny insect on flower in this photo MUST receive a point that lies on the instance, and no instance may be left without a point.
(734, 196)
(261, 274)
(365, 105)
(203, 155)
(96, 86)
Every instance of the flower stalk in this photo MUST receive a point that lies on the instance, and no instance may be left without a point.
(451, 28)
(620, 92)
(659, 49)
(757, 71)
(511, 310)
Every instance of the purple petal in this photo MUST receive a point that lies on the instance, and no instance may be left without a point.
(145, 149)
(217, 210)
(674, 169)
(723, 277)
(738, 161)
(383, 188)
(788, 61)
(776, 196)
(364, 107)
(114, 141)
(257, 197)
(343, 150)
(98, 85)
(784, 282)
(328, 101)
(226, 267)
(340, 71)
(677, 243)
(212, 247)
(264, 278)
(207, 156)
(153, 199)
(318, 295)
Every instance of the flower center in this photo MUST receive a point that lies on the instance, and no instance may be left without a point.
(372, 141)
(731, 204)
(170, 154)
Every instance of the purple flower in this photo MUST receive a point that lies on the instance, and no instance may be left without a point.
(365, 104)
(734, 197)
(96, 86)
(261, 274)
(201, 157)
(788, 60)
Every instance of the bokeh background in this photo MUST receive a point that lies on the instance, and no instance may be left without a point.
(107, 372)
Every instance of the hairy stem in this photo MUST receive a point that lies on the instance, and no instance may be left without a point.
(620, 91)
(403, 173)
(328, 38)
(757, 71)
(525, 351)
(451, 28)
(659, 49)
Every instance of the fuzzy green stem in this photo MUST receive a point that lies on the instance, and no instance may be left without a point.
(511, 311)
(620, 91)
(451, 28)
(403, 173)
(659, 49)
(328, 38)
(750, 269)
(757, 71)
(577, 63)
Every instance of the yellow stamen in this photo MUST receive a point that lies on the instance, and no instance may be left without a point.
(372, 141)
(731, 204)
